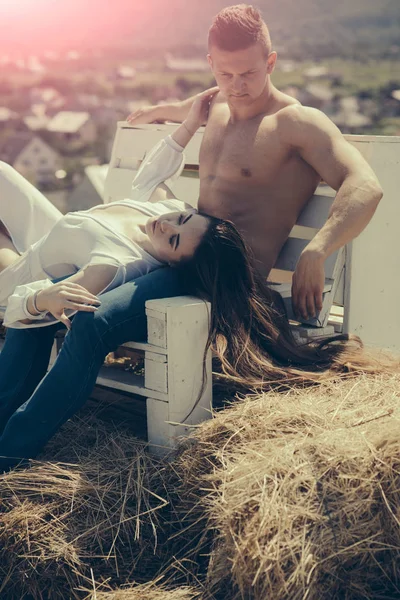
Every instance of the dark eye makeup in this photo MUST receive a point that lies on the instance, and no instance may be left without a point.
(174, 238)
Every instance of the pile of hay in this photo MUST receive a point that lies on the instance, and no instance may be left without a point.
(64, 525)
(150, 591)
(285, 496)
(302, 494)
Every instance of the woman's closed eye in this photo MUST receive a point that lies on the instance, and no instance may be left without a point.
(174, 239)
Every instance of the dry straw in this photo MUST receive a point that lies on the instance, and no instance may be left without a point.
(289, 495)
(303, 494)
(150, 591)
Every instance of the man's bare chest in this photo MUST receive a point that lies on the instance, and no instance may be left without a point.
(242, 154)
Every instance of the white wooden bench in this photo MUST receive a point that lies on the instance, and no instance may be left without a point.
(362, 286)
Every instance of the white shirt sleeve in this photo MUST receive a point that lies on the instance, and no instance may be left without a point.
(17, 311)
(164, 161)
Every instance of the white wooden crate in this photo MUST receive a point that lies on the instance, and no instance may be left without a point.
(175, 369)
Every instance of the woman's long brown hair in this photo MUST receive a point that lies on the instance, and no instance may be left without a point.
(250, 335)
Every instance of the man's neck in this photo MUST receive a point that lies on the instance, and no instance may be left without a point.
(263, 104)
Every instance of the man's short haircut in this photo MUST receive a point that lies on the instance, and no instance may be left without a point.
(238, 27)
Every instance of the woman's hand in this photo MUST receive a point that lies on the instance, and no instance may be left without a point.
(198, 113)
(62, 295)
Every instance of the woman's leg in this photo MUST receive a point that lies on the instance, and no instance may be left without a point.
(25, 212)
(120, 318)
(23, 363)
(8, 252)
(26, 216)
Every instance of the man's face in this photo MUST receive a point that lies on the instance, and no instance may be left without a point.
(242, 74)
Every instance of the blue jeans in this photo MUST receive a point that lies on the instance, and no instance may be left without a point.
(33, 404)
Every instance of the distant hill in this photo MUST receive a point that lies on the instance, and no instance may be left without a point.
(307, 28)
(301, 28)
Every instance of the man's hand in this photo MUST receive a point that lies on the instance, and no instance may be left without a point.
(308, 285)
(145, 114)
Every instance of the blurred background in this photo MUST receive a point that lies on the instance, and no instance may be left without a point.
(70, 69)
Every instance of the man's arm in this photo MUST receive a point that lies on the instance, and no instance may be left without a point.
(173, 111)
(320, 143)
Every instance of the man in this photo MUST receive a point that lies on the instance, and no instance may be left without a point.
(261, 159)
(263, 155)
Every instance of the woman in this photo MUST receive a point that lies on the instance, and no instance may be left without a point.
(97, 249)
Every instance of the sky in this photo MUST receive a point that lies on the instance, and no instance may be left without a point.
(32, 27)
(35, 26)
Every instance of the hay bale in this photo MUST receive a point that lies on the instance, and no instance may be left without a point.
(63, 524)
(150, 591)
(302, 494)
(291, 495)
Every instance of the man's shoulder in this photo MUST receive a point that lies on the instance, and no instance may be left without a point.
(298, 113)
(285, 100)
(299, 122)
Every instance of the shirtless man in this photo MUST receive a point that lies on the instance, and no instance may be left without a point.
(261, 159)
(263, 155)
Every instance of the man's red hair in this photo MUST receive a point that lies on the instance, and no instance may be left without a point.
(238, 27)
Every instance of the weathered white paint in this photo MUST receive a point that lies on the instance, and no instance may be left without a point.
(173, 375)
(372, 282)
(187, 324)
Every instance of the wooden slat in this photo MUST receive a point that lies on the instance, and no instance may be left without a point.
(329, 297)
(339, 294)
(128, 162)
(118, 184)
(302, 232)
(278, 276)
(186, 189)
(136, 140)
(291, 251)
(285, 288)
(316, 211)
(146, 348)
(127, 382)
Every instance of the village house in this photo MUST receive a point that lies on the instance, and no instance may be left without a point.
(32, 157)
(37, 120)
(72, 131)
(49, 97)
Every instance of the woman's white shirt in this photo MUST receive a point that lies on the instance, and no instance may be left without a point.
(163, 162)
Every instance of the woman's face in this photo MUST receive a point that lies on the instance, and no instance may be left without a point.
(176, 235)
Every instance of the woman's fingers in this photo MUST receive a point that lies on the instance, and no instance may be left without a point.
(64, 319)
(81, 298)
(61, 316)
(79, 288)
(78, 306)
